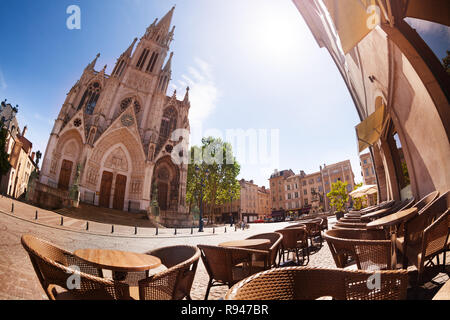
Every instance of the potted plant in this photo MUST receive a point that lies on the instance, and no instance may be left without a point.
(338, 198)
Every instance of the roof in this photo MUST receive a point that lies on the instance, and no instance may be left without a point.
(26, 144)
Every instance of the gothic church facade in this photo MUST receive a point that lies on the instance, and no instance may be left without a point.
(113, 134)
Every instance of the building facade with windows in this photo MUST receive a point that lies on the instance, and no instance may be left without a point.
(113, 132)
(21, 158)
(303, 193)
(367, 169)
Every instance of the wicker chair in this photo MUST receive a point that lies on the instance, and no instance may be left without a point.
(402, 205)
(227, 266)
(300, 283)
(175, 283)
(350, 220)
(273, 247)
(314, 230)
(348, 225)
(369, 248)
(294, 240)
(425, 236)
(54, 271)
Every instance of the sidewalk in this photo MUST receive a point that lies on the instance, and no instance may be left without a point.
(52, 219)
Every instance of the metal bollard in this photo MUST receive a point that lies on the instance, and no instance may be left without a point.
(156, 230)
(112, 229)
(36, 215)
(135, 230)
(62, 221)
(192, 230)
(175, 231)
(12, 207)
(214, 230)
(235, 228)
(225, 230)
(87, 225)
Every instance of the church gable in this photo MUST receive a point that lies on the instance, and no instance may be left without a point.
(127, 120)
(77, 122)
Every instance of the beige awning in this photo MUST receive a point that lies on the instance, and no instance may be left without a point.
(431, 10)
(364, 191)
(369, 131)
(353, 19)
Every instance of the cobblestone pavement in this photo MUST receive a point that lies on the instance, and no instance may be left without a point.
(17, 277)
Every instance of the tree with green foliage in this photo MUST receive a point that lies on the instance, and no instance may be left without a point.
(4, 157)
(358, 203)
(214, 164)
(338, 195)
(446, 63)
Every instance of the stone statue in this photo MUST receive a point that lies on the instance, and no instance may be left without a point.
(74, 190)
(154, 206)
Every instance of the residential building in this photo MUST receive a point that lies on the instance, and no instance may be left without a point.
(367, 169)
(301, 193)
(21, 157)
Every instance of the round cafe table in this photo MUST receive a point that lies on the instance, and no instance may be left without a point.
(376, 214)
(392, 219)
(119, 262)
(247, 244)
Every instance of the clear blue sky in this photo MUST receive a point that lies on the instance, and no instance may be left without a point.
(251, 64)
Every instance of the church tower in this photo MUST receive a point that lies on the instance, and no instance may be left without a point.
(117, 129)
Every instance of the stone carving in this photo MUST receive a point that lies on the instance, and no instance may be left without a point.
(139, 82)
(127, 120)
(117, 160)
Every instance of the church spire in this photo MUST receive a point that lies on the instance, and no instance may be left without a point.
(168, 66)
(129, 51)
(91, 65)
(166, 21)
(186, 96)
(159, 31)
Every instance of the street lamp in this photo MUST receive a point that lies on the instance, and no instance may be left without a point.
(202, 185)
(231, 208)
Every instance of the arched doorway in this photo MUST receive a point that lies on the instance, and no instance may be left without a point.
(166, 178)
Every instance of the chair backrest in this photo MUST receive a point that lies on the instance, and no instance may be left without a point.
(49, 263)
(312, 227)
(300, 283)
(350, 225)
(181, 262)
(425, 201)
(275, 239)
(369, 248)
(436, 235)
(414, 227)
(292, 235)
(219, 261)
(409, 203)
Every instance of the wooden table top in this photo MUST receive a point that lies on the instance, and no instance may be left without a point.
(376, 213)
(444, 292)
(392, 219)
(118, 260)
(246, 244)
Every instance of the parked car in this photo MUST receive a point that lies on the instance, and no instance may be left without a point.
(259, 221)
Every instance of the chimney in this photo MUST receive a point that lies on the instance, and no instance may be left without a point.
(32, 155)
(24, 131)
